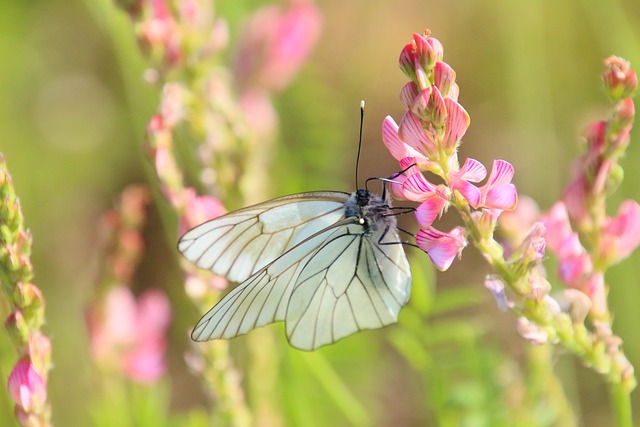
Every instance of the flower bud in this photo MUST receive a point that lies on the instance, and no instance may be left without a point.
(620, 81)
(444, 77)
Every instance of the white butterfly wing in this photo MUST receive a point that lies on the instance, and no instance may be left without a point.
(329, 286)
(262, 298)
(238, 244)
(351, 283)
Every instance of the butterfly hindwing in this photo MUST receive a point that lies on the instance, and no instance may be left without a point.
(238, 244)
(349, 284)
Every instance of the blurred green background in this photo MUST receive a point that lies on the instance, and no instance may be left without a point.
(73, 107)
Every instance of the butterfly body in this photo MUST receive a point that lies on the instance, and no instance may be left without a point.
(327, 263)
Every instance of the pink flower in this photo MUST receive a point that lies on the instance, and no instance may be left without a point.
(26, 387)
(516, 223)
(434, 199)
(498, 192)
(129, 335)
(556, 221)
(441, 247)
(275, 43)
(460, 181)
(621, 234)
(198, 209)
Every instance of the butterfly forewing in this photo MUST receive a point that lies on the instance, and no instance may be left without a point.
(240, 243)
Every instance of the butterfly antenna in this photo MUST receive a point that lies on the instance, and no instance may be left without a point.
(359, 139)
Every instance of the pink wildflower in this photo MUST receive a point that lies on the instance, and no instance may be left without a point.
(441, 247)
(498, 192)
(26, 386)
(129, 335)
(621, 234)
(460, 181)
(198, 209)
(275, 43)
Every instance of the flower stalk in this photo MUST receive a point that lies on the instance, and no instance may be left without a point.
(27, 382)
(426, 143)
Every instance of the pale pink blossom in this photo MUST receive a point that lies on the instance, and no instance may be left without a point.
(26, 386)
(498, 192)
(441, 247)
(556, 221)
(575, 200)
(460, 181)
(198, 209)
(444, 77)
(129, 334)
(275, 43)
(621, 234)
(516, 223)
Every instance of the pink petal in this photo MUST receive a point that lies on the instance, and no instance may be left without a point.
(398, 149)
(26, 387)
(458, 121)
(472, 171)
(408, 94)
(417, 188)
(154, 314)
(503, 197)
(573, 269)
(412, 133)
(575, 199)
(470, 192)
(501, 173)
(444, 77)
(441, 247)
(625, 229)
(429, 210)
(556, 221)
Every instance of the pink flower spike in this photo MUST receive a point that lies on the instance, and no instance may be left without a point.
(429, 210)
(26, 387)
(398, 149)
(458, 122)
(441, 247)
(498, 192)
(622, 233)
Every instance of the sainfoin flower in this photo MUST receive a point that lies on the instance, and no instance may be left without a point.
(129, 335)
(441, 247)
(427, 141)
(26, 386)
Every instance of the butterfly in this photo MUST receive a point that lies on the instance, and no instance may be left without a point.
(326, 263)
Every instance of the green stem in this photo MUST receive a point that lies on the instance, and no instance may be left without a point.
(621, 400)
